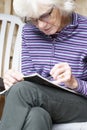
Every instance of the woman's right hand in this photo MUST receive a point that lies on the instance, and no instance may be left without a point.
(11, 77)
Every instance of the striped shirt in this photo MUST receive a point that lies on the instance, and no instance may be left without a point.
(41, 52)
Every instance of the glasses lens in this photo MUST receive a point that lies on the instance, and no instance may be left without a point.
(45, 17)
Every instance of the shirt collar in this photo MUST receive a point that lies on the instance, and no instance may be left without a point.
(67, 31)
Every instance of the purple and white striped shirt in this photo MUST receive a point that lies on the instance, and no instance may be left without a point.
(41, 52)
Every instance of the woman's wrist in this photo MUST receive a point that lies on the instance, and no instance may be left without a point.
(72, 84)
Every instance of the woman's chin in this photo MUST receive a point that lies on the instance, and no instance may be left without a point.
(49, 32)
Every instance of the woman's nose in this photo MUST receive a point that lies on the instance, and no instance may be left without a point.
(41, 24)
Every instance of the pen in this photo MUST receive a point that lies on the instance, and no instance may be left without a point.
(49, 77)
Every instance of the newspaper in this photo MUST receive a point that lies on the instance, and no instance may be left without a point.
(44, 81)
(36, 78)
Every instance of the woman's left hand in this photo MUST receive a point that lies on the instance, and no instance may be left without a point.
(62, 73)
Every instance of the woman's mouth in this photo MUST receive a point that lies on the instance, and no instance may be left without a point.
(47, 30)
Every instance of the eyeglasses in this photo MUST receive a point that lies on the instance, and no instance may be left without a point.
(45, 17)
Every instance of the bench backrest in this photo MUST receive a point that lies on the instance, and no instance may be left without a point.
(10, 42)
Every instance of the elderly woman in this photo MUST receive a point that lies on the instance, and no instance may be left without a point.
(54, 42)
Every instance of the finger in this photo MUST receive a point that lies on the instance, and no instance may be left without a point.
(18, 76)
(9, 80)
(7, 87)
(59, 66)
(12, 74)
(7, 84)
(55, 67)
(58, 72)
(65, 77)
(58, 69)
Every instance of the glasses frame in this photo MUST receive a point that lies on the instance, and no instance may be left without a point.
(44, 18)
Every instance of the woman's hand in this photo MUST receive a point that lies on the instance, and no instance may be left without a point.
(62, 73)
(11, 77)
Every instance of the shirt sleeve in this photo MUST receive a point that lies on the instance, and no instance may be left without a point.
(27, 65)
(82, 87)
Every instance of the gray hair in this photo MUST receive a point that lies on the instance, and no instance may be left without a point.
(30, 8)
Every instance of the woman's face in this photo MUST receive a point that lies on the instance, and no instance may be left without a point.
(50, 22)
